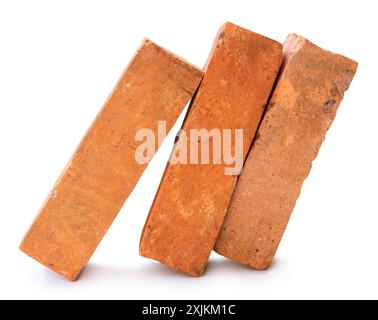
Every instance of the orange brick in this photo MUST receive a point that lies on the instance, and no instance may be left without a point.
(103, 171)
(301, 110)
(192, 200)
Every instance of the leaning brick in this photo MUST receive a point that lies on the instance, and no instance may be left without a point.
(103, 171)
(303, 105)
(192, 199)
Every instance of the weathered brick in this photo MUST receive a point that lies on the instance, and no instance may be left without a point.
(103, 171)
(192, 199)
(303, 105)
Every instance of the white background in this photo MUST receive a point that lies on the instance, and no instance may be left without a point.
(58, 63)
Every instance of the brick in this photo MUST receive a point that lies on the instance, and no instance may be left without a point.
(303, 105)
(103, 171)
(192, 199)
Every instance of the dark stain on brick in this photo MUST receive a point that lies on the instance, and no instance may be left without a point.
(327, 108)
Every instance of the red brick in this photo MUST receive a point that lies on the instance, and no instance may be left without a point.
(192, 200)
(103, 171)
(301, 110)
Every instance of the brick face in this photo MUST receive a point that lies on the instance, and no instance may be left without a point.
(301, 110)
(103, 171)
(192, 199)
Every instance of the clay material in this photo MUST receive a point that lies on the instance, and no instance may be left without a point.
(192, 199)
(103, 171)
(301, 110)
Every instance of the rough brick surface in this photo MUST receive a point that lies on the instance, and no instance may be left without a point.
(302, 108)
(192, 199)
(103, 171)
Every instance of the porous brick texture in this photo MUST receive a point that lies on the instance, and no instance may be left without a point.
(192, 199)
(103, 171)
(303, 105)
